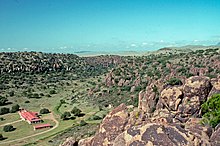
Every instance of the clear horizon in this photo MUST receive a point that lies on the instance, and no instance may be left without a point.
(107, 26)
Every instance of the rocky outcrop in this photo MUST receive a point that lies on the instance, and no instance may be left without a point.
(196, 91)
(158, 134)
(112, 125)
(148, 99)
(171, 97)
(175, 122)
(215, 87)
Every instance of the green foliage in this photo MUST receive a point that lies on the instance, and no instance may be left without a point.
(15, 108)
(52, 92)
(44, 111)
(8, 128)
(65, 116)
(76, 112)
(4, 110)
(1, 137)
(94, 117)
(211, 111)
(82, 123)
(3, 100)
(174, 81)
(2, 119)
(11, 93)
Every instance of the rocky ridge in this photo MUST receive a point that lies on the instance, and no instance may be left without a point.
(175, 119)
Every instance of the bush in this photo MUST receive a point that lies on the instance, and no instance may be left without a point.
(1, 137)
(44, 111)
(94, 117)
(52, 92)
(4, 110)
(82, 123)
(174, 81)
(211, 111)
(15, 108)
(8, 128)
(65, 116)
(2, 119)
(76, 112)
(3, 100)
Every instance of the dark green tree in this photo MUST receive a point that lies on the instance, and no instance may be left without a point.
(15, 108)
(65, 116)
(44, 111)
(3, 100)
(8, 128)
(4, 110)
(76, 112)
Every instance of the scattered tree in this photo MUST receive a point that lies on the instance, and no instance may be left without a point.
(65, 116)
(15, 108)
(3, 100)
(44, 111)
(8, 128)
(1, 137)
(82, 123)
(4, 110)
(76, 112)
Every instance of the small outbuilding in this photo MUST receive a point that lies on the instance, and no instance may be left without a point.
(41, 126)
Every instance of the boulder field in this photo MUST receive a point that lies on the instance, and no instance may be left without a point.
(168, 118)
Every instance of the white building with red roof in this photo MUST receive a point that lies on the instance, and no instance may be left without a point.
(30, 117)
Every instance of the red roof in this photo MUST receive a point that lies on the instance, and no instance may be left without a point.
(42, 126)
(30, 116)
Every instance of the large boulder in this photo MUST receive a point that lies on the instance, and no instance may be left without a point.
(197, 86)
(157, 134)
(171, 97)
(112, 125)
(148, 99)
(196, 90)
(215, 87)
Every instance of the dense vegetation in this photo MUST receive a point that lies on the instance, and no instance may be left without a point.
(211, 111)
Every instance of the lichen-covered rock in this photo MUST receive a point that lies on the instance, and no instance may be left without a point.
(148, 99)
(196, 90)
(215, 138)
(215, 87)
(197, 86)
(112, 125)
(171, 97)
(157, 134)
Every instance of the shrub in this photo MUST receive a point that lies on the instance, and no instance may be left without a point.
(2, 119)
(52, 92)
(8, 128)
(94, 117)
(76, 112)
(15, 108)
(82, 123)
(3, 100)
(211, 111)
(4, 110)
(174, 81)
(11, 93)
(44, 111)
(65, 116)
(1, 137)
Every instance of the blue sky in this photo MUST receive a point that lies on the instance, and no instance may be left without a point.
(107, 25)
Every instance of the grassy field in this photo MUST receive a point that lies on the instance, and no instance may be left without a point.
(65, 92)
